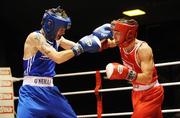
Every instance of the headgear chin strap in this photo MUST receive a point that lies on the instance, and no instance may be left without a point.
(52, 20)
(128, 32)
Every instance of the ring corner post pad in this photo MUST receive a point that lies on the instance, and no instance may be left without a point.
(6, 93)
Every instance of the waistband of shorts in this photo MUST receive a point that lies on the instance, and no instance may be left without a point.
(38, 81)
(145, 87)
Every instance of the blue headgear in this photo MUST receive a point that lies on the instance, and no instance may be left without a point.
(52, 20)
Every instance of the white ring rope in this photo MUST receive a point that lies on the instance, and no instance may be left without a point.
(115, 89)
(123, 113)
(110, 90)
(167, 64)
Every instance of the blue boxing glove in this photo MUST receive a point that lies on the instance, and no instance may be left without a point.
(103, 32)
(88, 43)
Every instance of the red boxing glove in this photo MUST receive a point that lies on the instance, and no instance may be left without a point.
(116, 71)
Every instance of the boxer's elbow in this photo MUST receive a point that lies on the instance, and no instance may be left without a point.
(144, 78)
(149, 79)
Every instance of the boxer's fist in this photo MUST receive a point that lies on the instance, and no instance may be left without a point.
(116, 71)
(88, 43)
(103, 32)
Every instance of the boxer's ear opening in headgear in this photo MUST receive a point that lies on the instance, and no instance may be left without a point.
(127, 28)
(53, 19)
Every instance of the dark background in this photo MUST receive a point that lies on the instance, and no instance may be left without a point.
(160, 27)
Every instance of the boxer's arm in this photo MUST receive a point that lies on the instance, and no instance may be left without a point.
(29, 48)
(65, 43)
(40, 43)
(147, 64)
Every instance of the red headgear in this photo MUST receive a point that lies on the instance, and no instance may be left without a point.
(127, 29)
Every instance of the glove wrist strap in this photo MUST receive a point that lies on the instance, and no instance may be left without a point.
(132, 75)
(77, 49)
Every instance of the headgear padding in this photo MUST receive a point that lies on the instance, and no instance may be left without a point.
(52, 20)
(127, 29)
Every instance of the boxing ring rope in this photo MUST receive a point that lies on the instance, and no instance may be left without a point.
(115, 89)
(122, 113)
(111, 89)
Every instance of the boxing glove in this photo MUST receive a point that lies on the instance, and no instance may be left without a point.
(116, 71)
(103, 32)
(88, 43)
